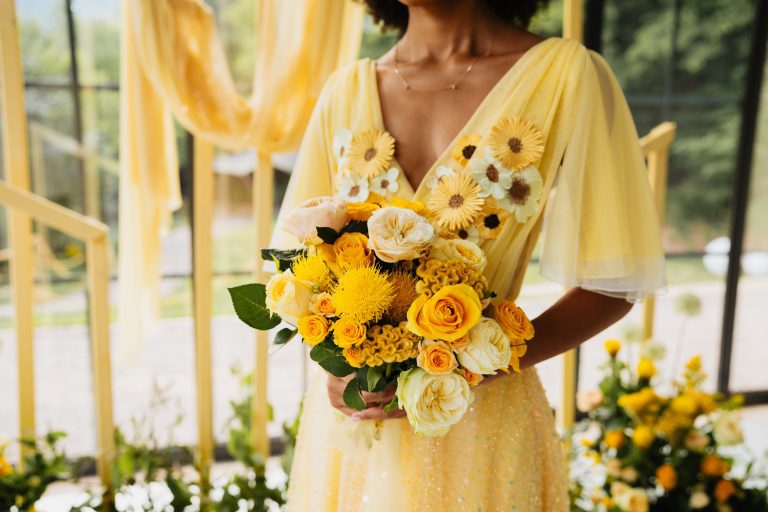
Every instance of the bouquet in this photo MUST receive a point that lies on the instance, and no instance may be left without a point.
(381, 297)
(657, 452)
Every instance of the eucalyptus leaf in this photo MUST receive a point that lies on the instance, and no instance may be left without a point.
(352, 397)
(249, 301)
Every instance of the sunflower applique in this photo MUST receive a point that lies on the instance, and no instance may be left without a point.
(369, 152)
(456, 201)
(516, 143)
(491, 221)
(465, 148)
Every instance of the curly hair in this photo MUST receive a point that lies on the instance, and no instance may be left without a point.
(393, 14)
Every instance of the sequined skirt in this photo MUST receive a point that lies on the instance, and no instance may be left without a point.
(503, 455)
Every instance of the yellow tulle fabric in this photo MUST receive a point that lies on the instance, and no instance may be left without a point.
(173, 67)
(601, 233)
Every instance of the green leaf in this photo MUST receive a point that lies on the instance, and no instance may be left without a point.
(283, 336)
(374, 376)
(352, 397)
(283, 258)
(391, 406)
(329, 357)
(249, 301)
(356, 226)
(327, 235)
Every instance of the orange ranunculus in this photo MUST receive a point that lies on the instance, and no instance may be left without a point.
(614, 438)
(436, 357)
(448, 315)
(724, 489)
(713, 466)
(313, 328)
(666, 476)
(513, 321)
(351, 250)
(347, 332)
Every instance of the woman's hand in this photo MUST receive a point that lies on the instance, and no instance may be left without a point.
(374, 402)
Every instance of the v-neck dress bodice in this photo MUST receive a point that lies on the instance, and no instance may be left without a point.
(583, 184)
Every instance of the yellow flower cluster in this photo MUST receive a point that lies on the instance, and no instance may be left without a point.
(644, 405)
(384, 344)
(436, 274)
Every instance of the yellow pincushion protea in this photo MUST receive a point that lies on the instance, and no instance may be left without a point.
(516, 142)
(455, 202)
(370, 152)
(314, 269)
(465, 148)
(363, 294)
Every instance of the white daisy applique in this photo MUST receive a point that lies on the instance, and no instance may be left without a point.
(341, 141)
(522, 198)
(440, 173)
(494, 179)
(386, 183)
(352, 188)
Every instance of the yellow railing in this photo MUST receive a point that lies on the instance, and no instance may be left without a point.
(24, 207)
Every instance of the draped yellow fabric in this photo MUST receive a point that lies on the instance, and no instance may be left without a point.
(601, 232)
(173, 65)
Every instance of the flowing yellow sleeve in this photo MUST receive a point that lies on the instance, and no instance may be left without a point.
(601, 229)
(312, 174)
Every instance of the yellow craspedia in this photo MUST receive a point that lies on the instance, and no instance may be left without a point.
(612, 347)
(314, 269)
(614, 439)
(313, 328)
(363, 294)
(645, 368)
(642, 437)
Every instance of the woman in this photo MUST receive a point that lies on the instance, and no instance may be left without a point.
(543, 130)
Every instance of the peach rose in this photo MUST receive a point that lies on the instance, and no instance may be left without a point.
(463, 251)
(322, 304)
(488, 349)
(473, 379)
(448, 315)
(397, 234)
(347, 332)
(436, 357)
(324, 211)
(433, 402)
(513, 320)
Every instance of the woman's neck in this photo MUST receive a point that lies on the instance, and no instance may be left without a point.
(445, 30)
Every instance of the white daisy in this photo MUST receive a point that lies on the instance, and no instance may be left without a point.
(341, 141)
(494, 179)
(353, 189)
(470, 234)
(522, 198)
(386, 182)
(440, 173)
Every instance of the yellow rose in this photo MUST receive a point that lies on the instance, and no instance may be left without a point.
(5, 467)
(473, 379)
(666, 476)
(313, 328)
(322, 304)
(436, 357)
(351, 250)
(642, 437)
(354, 355)
(614, 439)
(713, 466)
(645, 368)
(322, 211)
(513, 320)
(433, 402)
(724, 489)
(488, 349)
(288, 296)
(448, 315)
(397, 234)
(462, 251)
(361, 211)
(347, 332)
(417, 206)
(612, 347)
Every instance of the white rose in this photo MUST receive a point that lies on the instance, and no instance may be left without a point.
(589, 399)
(695, 441)
(488, 349)
(633, 500)
(324, 211)
(433, 402)
(288, 296)
(396, 234)
(728, 429)
(463, 251)
(699, 499)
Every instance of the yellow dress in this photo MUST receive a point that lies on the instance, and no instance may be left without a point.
(600, 232)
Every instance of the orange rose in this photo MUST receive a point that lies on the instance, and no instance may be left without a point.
(322, 304)
(614, 439)
(724, 489)
(666, 476)
(513, 320)
(351, 250)
(448, 315)
(436, 357)
(347, 332)
(313, 328)
(473, 379)
(354, 356)
(713, 466)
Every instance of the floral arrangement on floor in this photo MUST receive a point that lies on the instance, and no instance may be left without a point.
(657, 452)
(44, 464)
(382, 298)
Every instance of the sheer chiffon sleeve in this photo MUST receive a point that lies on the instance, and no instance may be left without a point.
(601, 229)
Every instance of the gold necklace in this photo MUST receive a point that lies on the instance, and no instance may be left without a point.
(453, 86)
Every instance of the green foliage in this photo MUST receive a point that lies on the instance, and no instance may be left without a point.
(249, 301)
(329, 356)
